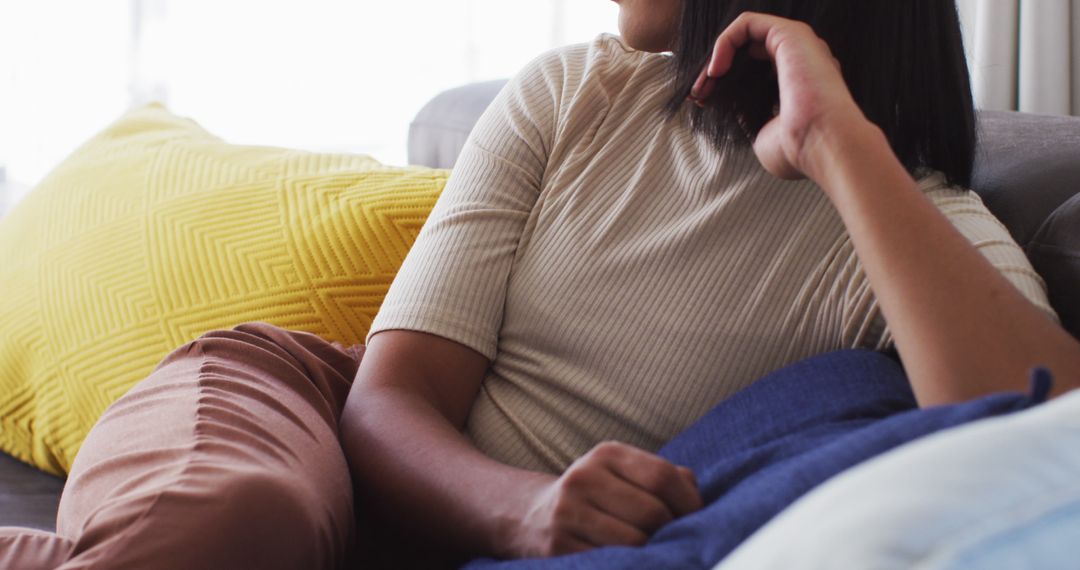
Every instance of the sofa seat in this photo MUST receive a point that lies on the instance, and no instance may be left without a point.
(28, 497)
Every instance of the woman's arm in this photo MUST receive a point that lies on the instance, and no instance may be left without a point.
(961, 328)
(403, 421)
(401, 432)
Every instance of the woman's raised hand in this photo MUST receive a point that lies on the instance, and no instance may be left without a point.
(614, 495)
(814, 98)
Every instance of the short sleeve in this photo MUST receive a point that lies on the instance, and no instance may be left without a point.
(968, 214)
(453, 280)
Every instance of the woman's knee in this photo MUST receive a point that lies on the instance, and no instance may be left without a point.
(267, 348)
(249, 338)
(243, 518)
(269, 505)
(259, 519)
(329, 364)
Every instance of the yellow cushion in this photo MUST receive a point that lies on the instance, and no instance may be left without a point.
(155, 232)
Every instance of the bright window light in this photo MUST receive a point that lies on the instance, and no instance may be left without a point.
(63, 76)
(329, 75)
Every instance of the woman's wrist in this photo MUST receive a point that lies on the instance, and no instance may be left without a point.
(508, 534)
(832, 148)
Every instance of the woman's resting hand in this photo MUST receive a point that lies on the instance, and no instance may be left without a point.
(614, 495)
(415, 471)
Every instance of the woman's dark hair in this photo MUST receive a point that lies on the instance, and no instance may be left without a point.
(903, 61)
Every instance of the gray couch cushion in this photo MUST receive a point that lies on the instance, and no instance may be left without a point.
(28, 497)
(1055, 253)
(1027, 166)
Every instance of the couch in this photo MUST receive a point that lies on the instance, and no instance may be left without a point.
(1027, 171)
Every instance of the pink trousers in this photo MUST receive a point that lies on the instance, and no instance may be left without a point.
(226, 456)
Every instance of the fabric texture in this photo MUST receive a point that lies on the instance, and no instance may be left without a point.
(581, 229)
(1055, 253)
(155, 232)
(1000, 494)
(225, 457)
(760, 450)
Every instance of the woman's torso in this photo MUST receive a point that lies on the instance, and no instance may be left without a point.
(622, 275)
(655, 276)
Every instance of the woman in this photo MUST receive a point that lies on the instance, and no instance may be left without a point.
(579, 254)
(607, 263)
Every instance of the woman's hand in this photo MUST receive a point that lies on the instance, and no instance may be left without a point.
(961, 328)
(614, 495)
(814, 99)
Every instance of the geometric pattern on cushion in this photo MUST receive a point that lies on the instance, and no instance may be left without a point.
(155, 232)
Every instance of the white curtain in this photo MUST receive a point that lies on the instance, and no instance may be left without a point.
(1024, 54)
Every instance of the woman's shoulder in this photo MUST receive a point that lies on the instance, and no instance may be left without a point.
(943, 194)
(606, 61)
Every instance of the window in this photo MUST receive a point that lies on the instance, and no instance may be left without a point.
(329, 75)
(61, 79)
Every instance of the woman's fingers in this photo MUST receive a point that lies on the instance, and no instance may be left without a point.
(614, 495)
(812, 90)
(630, 503)
(598, 528)
(702, 88)
(570, 544)
(750, 30)
(674, 486)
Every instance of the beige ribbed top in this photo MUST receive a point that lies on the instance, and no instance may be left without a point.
(622, 275)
